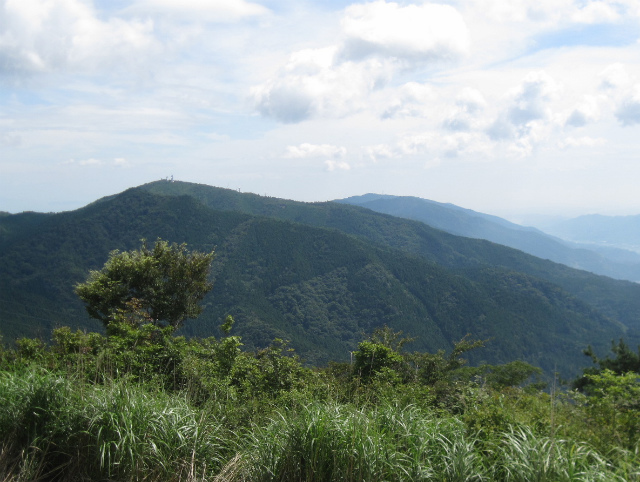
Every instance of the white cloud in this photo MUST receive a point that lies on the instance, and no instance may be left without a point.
(432, 143)
(210, 10)
(10, 140)
(596, 12)
(412, 100)
(501, 129)
(526, 118)
(431, 163)
(620, 90)
(413, 32)
(44, 35)
(379, 151)
(121, 162)
(417, 143)
(315, 150)
(628, 111)
(464, 116)
(90, 162)
(582, 142)
(337, 165)
(312, 85)
(556, 13)
(531, 98)
(380, 39)
(214, 136)
(588, 110)
(471, 100)
(522, 10)
(615, 76)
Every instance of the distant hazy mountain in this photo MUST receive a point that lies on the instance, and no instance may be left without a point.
(320, 275)
(603, 231)
(616, 263)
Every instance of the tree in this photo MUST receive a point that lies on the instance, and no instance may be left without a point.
(380, 352)
(164, 283)
(625, 361)
(372, 358)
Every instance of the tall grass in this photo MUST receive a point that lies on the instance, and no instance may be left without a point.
(522, 456)
(55, 428)
(38, 424)
(50, 428)
(341, 442)
(330, 442)
(142, 435)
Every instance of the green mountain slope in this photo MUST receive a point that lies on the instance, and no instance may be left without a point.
(319, 288)
(617, 299)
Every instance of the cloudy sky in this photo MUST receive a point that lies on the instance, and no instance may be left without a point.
(505, 107)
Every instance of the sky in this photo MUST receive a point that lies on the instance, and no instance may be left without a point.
(511, 108)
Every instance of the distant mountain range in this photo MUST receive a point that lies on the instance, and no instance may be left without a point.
(320, 275)
(598, 231)
(591, 255)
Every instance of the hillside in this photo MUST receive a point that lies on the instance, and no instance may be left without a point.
(318, 287)
(617, 299)
(616, 264)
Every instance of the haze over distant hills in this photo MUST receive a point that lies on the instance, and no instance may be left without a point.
(600, 231)
(320, 275)
(601, 257)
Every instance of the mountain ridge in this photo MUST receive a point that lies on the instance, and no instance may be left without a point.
(320, 287)
(465, 222)
(618, 299)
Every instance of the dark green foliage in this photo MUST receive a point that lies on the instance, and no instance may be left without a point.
(162, 284)
(625, 361)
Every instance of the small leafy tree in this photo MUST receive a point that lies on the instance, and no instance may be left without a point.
(165, 284)
(372, 358)
(380, 353)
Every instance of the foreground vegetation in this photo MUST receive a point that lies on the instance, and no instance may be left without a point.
(142, 404)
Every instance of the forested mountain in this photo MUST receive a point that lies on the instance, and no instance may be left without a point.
(320, 276)
(614, 263)
(619, 300)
